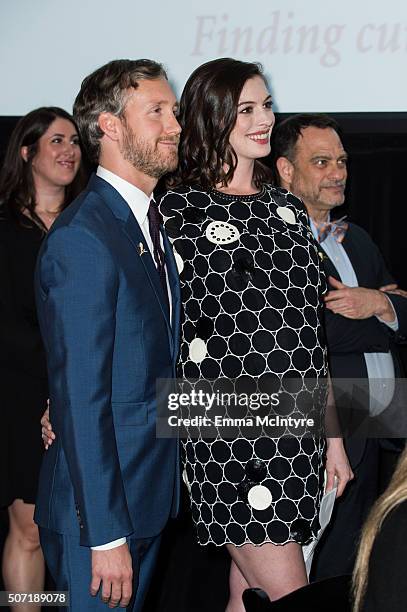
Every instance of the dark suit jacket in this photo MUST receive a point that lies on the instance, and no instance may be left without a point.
(20, 339)
(386, 585)
(108, 339)
(349, 339)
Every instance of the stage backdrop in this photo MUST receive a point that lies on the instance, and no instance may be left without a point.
(319, 56)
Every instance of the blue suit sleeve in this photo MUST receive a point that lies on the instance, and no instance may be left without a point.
(77, 285)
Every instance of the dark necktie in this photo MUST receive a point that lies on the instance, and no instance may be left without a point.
(337, 228)
(154, 222)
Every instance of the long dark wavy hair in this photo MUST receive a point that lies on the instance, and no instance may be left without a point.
(208, 113)
(17, 189)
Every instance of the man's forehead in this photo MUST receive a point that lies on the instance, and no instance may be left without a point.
(314, 139)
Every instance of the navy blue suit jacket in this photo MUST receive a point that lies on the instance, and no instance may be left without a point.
(108, 338)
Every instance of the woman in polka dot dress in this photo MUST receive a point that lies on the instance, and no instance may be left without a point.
(251, 288)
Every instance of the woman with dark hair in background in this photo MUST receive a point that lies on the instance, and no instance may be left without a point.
(38, 179)
(251, 289)
(380, 569)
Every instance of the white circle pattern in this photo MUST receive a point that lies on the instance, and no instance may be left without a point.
(259, 497)
(286, 214)
(197, 350)
(179, 262)
(221, 233)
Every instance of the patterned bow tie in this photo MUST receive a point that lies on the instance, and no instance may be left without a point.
(337, 228)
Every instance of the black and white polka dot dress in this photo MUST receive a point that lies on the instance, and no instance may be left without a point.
(251, 288)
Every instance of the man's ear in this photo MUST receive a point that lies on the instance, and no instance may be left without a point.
(285, 170)
(110, 125)
(24, 153)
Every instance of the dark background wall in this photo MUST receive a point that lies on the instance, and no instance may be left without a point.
(376, 197)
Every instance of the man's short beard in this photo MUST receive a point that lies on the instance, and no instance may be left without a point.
(141, 156)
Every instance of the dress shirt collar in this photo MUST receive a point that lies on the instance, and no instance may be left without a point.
(137, 200)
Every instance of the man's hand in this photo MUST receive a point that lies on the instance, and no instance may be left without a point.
(394, 290)
(47, 434)
(358, 302)
(113, 570)
(337, 464)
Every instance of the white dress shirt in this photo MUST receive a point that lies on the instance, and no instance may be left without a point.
(139, 203)
(380, 366)
(137, 200)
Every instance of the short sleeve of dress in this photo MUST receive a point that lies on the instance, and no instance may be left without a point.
(285, 199)
(171, 205)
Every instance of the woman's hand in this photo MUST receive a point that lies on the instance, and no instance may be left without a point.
(47, 434)
(337, 464)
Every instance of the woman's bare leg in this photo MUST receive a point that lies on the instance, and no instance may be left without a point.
(237, 584)
(277, 570)
(23, 561)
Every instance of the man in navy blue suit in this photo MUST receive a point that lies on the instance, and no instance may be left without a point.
(109, 306)
(365, 316)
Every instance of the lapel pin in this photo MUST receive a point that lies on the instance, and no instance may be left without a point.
(141, 249)
(322, 255)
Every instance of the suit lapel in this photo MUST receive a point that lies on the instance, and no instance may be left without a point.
(327, 263)
(351, 250)
(131, 228)
(135, 235)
